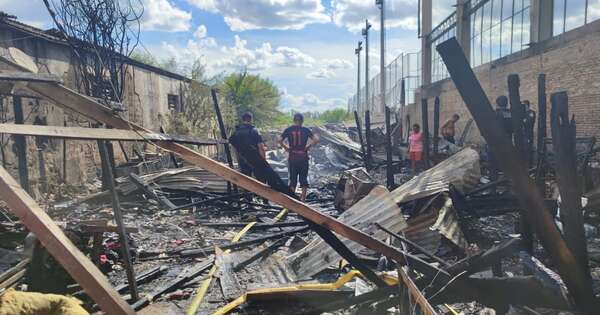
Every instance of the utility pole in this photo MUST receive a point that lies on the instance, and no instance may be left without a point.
(357, 52)
(365, 33)
(382, 66)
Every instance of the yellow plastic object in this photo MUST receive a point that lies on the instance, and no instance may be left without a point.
(31, 303)
(301, 287)
(206, 283)
(451, 310)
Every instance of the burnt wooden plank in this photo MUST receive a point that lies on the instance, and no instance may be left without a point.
(63, 250)
(571, 212)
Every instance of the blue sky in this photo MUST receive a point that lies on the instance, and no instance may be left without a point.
(306, 47)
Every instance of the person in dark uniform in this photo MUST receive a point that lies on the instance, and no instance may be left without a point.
(248, 134)
(529, 125)
(299, 140)
(504, 117)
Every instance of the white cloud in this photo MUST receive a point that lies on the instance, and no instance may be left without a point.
(334, 64)
(351, 14)
(200, 32)
(242, 15)
(263, 57)
(161, 15)
(237, 57)
(292, 57)
(309, 102)
(323, 73)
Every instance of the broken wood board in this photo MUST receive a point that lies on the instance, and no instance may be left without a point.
(461, 170)
(79, 133)
(64, 251)
(377, 207)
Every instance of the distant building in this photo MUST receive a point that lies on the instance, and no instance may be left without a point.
(150, 93)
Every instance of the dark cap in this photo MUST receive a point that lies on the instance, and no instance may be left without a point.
(298, 117)
(247, 117)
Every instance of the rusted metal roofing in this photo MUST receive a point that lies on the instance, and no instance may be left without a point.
(461, 170)
(376, 207)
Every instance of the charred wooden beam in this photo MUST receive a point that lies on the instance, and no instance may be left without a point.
(118, 215)
(414, 245)
(484, 260)
(21, 144)
(368, 139)
(517, 110)
(360, 139)
(146, 188)
(499, 292)
(571, 212)
(388, 149)
(516, 170)
(258, 254)
(211, 200)
(255, 226)
(425, 131)
(223, 131)
(185, 276)
(436, 124)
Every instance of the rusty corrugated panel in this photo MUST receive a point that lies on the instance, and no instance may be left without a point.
(462, 170)
(376, 207)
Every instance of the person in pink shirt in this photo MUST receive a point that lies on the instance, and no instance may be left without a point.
(415, 146)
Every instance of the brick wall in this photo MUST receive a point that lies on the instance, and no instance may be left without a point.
(571, 63)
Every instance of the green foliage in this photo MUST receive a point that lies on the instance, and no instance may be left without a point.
(144, 57)
(337, 115)
(252, 93)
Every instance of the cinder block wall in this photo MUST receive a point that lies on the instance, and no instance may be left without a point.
(571, 63)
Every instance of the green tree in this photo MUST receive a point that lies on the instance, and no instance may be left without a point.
(251, 93)
(144, 57)
(337, 115)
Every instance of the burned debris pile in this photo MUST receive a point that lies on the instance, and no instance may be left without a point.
(513, 228)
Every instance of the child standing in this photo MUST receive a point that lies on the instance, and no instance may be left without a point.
(415, 146)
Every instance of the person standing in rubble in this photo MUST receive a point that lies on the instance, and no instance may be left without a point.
(449, 129)
(297, 141)
(415, 147)
(529, 125)
(504, 117)
(248, 134)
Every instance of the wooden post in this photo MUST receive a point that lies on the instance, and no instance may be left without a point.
(120, 224)
(425, 131)
(360, 139)
(368, 136)
(388, 149)
(21, 144)
(171, 154)
(518, 117)
(223, 134)
(64, 160)
(541, 134)
(60, 247)
(571, 214)
(512, 164)
(408, 127)
(436, 125)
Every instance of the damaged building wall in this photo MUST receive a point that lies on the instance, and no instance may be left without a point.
(570, 62)
(150, 94)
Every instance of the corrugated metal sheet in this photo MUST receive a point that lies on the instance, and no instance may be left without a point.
(376, 207)
(462, 170)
